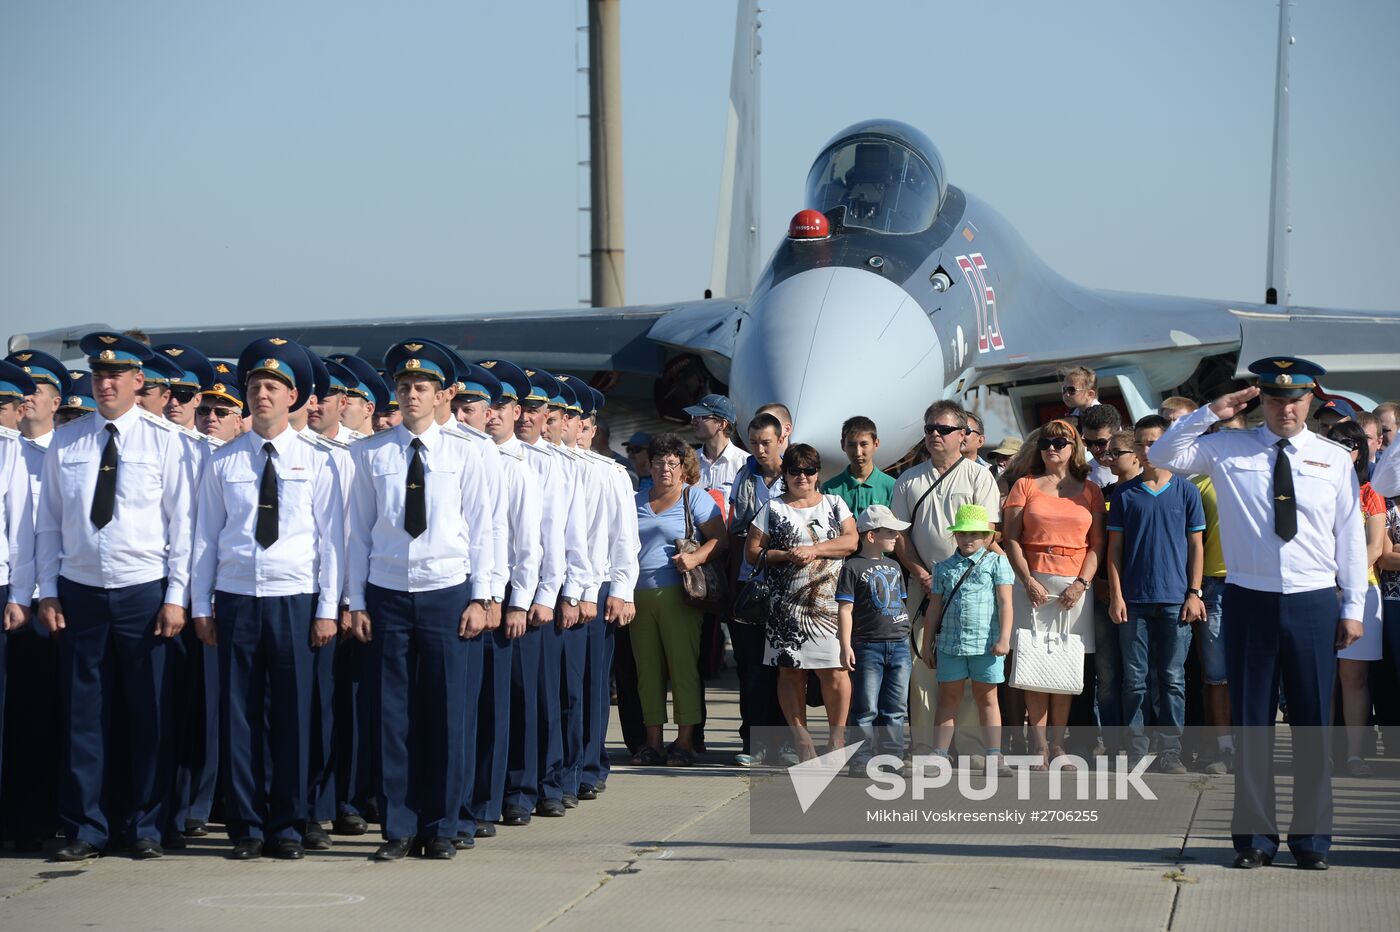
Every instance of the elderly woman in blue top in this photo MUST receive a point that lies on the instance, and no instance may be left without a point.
(666, 631)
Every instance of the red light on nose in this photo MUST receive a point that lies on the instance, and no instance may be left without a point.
(809, 224)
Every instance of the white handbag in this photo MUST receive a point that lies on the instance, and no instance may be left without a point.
(1047, 660)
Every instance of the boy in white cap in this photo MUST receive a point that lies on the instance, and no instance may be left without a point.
(874, 630)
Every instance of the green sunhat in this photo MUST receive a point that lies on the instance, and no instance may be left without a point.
(972, 519)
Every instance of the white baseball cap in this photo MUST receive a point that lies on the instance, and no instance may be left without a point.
(879, 516)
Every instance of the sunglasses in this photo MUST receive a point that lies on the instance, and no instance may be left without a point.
(942, 430)
(1347, 442)
(802, 470)
(1058, 443)
(217, 410)
(1095, 444)
(1072, 390)
(183, 395)
(973, 430)
(1114, 454)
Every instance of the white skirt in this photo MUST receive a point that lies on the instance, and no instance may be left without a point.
(1053, 615)
(1368, 646)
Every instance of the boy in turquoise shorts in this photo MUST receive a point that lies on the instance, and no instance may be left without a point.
(969, 620)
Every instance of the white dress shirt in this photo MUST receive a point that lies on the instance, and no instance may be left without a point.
(1329, 548)
(381, 552)
(554, 511)
(720, 472)
(494, 479)
(1385, 475)
(34, 451)
(617, 544)
(518, 549)
(344, 468)
(575, 487)
(17, 536)
(150, 534)
(309, 553)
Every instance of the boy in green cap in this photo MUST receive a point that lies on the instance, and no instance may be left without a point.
(969, 620)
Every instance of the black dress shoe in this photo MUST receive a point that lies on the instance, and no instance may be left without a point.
(394, 850)
(1307, 861)
(146, 849)
(515, 815)
(439, 849)
(249, 849)
(1250, 858)
(587, 791)
(550, 808)
(464, 842)
(288, 849)
(77, 851)
(195, 828)
(315, 838)
(600, 786)
(350, 823)
(570, 801)
(485, 830)
(174, 842)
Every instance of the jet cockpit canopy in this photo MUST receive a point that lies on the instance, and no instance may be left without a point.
(887, 175)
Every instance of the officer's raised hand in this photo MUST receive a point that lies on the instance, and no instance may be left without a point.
(1227, 406)
(51, 615)
(170, 620)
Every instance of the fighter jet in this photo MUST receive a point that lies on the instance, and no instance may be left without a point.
(892, 288)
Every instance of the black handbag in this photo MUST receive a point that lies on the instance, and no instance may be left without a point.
(757, 596)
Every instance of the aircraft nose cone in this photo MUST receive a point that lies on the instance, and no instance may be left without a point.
(833, 343)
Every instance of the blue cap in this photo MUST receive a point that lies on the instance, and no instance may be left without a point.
(1286, 375)
(227, 384)
(1338, 406)
(515, 384)
(42, 368)
(79, 396)
(421, 358)
(598, 401)
(478, 384)
(565, 399)
(340, 379)
(282, 359)
(380, 393)
(364, 373)
(641, 440)
(391, 394)
(108, 350)
(320, 378)
(15, 383)
(161, 370)
(544, 388)
(196, 371)
(580, 397)
(715, 406)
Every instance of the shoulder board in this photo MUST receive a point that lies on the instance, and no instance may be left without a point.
(356, 435)
(449, 432)
(471, 431)
(77, 420)
(1334, 443)
(534, 450)
(504, 451)
(331, 442)
(160, 422)
(214, 442)
(316, 441)
(9, 433)
(194, 435)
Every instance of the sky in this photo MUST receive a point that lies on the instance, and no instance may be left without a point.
(173, 161)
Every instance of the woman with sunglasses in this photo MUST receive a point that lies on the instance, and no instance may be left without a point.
(1054, 538)
(1354, 662)
(807, 535)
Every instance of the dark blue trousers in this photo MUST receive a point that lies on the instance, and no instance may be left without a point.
(418, 683)
(352, 736)
(474, 658)
(29, 788)
(265, 663)
(109, 644)
(551, 686)
(492, 728)
(597, 693)
(196, 708)
(523, 759)
(1269, 637)
(321, 771)
(4, 667)
(573, 703)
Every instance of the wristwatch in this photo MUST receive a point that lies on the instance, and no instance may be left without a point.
(1198, 593)
(1082, 581)
(571, 602)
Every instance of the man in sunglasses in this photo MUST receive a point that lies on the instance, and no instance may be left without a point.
(220, 409)
(1097, 426)
(196, 374)
(972, 443)
(928, 496)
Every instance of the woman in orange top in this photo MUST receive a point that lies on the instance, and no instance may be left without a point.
(1054, 537)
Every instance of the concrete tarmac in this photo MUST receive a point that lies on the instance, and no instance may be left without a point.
(672, 847)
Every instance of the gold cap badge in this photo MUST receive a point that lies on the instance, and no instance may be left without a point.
(413, 347)
(108, 340)
(107, 355)
(174, 351)
(270, 363)
(277, 341)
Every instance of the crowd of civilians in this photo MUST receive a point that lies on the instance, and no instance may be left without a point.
(901, 591)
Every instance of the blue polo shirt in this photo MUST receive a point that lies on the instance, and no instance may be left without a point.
(1154, 526)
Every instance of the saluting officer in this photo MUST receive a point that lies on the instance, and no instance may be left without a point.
(1290, 526)
(31, 778)
(416, 496)
(520, 550)
(267, 580)
(16, 524)
(615, 554)
(113, 549)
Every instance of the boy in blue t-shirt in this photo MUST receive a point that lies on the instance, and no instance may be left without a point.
(1156, 557)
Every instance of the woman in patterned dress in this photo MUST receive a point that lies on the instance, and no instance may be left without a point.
(807, 536)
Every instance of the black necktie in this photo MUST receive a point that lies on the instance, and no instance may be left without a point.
(1285, 506)
(104, 497)
(415, 507)
(266, 531)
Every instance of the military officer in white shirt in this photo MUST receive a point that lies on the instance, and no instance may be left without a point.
(386, 407)
(358, 411)
(1291, 531)
(220, 409)
(418, 590)
(16, 525)
(266, 579)
(155, 393)
(113, 549)
(196, 374)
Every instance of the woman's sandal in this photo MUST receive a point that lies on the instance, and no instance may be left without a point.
(648, 756)
(677, 756)
(1059, 751)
